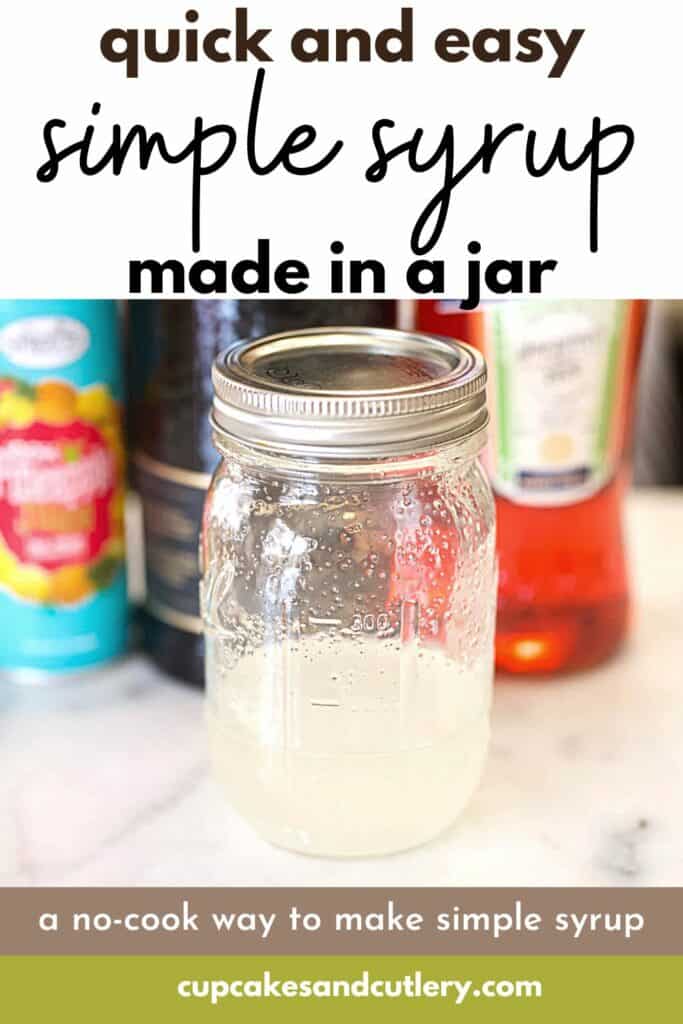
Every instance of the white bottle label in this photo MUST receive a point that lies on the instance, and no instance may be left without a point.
(555, 392)
(44, 342)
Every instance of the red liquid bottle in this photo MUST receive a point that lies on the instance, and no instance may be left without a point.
(561, 386)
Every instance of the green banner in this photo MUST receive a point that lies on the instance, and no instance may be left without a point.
(548, 989)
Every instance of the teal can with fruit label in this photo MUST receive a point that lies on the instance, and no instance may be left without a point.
(63, 594)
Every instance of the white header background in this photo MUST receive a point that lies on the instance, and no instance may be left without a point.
(73, 237)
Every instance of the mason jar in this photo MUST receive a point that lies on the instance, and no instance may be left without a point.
(348, 587)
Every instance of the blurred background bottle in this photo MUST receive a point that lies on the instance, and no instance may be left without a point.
(658, 450)
(63, 601)
(561, 386)
(171, 347)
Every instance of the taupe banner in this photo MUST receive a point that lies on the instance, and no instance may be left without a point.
(312, 921)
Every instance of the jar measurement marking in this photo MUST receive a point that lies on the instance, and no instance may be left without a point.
(370, 623)
(325, 622)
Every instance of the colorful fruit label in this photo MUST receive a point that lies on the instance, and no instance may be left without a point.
(62, 579)
(555, 395)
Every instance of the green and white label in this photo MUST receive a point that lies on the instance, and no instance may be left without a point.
(555, 397)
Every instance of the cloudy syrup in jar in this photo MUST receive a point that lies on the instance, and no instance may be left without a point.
(348, 588)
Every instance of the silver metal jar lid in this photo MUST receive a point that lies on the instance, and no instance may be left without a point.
(344, 391)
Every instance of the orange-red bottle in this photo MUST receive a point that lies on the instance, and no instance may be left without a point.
(561, 385)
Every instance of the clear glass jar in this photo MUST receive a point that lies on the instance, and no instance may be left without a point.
(348, 589)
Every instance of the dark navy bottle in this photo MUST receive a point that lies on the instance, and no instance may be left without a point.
(172, 345)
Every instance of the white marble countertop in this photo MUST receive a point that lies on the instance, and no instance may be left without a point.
(106, 783)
